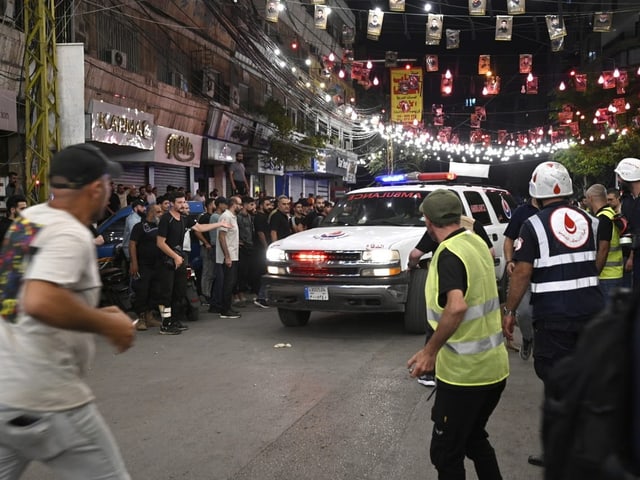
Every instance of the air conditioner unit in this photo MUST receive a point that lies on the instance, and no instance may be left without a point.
(208, 84)
(9, 10)
(178, 80)
(118, 58)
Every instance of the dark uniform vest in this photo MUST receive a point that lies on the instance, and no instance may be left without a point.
(564, 282)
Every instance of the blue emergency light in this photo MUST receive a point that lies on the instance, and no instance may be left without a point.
(416, 177)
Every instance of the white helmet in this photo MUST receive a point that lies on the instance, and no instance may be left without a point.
(628, 169)
(550, 180)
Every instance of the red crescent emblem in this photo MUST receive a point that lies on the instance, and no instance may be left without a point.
(569, 224)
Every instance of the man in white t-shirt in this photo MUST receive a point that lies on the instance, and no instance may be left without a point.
(49, 290)
(227, 254)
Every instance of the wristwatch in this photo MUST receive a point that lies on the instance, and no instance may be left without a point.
(509, 313)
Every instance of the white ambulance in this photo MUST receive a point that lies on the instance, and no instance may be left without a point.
(356, 261)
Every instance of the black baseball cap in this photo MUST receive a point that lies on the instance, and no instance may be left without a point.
(78, 165)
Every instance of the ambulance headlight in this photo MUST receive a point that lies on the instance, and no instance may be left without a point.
(381, 255)
(276, 255)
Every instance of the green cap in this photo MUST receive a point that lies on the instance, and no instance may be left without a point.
(442, 207)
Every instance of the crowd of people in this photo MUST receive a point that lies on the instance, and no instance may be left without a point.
(233, 235)
(566, 258)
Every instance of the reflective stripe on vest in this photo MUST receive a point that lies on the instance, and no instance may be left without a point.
(474, 354)
(564, 285)
(613, 267)
(472, 313)
(546, 261)
(479, 346)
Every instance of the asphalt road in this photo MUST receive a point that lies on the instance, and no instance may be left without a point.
(219, 402)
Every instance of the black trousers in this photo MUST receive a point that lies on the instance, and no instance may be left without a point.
(228, 283)
(460, 415)
(172, 289)
(241, 188)
(549, 346)
(245, 264)
(146, 289)
(258, 268)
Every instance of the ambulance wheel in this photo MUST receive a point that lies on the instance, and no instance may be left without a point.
(415, 312)
(293, 318)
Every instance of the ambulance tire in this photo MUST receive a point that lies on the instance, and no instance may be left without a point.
(415, 312)
(293, 318)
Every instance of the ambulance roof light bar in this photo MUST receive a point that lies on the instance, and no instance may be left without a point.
(416, 177)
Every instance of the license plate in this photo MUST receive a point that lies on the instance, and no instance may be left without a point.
(316, 293)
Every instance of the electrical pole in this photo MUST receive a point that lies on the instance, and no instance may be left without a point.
(41, 103)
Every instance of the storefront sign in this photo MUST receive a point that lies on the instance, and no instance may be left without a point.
(177, 148)
(121, 126)
(267, 165)
(8, 111)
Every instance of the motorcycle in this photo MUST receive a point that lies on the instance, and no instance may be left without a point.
(115, 286)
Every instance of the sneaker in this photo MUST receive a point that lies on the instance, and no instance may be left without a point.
(169, 329)
(141, 326)
(239, 303)
(427, 379)
(525, 349)
(230, 314)
(181, 326)
(259, 302)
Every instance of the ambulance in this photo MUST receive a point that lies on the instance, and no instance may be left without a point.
(356, 261)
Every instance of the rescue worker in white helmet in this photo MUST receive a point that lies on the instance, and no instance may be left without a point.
(628, 173)
(555, 253)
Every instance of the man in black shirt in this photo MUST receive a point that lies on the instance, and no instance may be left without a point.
(429, 244)
(114, 203)
(261, 242)
(145, 259)
(172, 272)
(318, 208)
(279, 226)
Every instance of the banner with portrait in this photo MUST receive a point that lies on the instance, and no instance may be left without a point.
(320, 17)
(602, 21)
(431, 63)
(477, 7)
(406, 95)
(453, 39)
(484, 64)
(516, 7)
(526, 62)
(396, 5)
(272, 11)
(555, 26)
(504, 24)
(434, 27)
(374, 24)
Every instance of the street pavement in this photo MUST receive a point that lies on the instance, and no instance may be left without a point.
(220, 402)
